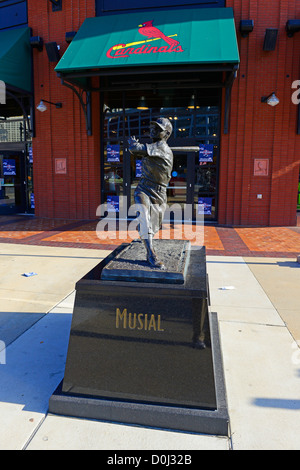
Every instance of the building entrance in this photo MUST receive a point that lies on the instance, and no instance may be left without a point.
(194, 179)
(12, 177)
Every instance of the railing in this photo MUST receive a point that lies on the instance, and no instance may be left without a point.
(13, 130)
(185, 124)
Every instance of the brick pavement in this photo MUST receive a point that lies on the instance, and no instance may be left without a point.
(279, 242)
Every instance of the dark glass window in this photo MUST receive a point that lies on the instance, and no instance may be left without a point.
(114, 6)
(13, 13)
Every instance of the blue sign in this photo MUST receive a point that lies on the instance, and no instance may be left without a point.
(113, 153)
(32, 205)
(206, 153)
(138, 168)
(113, 204)
(9, 167)
(205, 205)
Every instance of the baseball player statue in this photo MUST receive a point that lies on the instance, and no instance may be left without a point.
(151, 192)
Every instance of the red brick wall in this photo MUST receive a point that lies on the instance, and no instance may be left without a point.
(258, 130)
(61, 133)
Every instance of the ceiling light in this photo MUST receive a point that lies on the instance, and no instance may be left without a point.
(192, 102)
(142, 104)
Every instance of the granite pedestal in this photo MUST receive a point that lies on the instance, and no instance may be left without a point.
(144, 347)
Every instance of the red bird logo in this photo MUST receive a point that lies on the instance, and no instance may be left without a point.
(153, 34)
(147, 29)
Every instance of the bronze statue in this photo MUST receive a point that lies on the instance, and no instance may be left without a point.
(151, 192)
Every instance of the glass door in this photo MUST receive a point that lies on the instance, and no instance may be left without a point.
(205, 181)
(12, 182)
(206, 163)
(194, 178)
(113, 164)
(30, 202)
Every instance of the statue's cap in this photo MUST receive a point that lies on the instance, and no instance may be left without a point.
(164, 124)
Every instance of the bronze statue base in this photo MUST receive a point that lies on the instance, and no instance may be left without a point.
(131, 263)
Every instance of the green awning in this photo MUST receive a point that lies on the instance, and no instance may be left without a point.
(15, 59)
(149, 38)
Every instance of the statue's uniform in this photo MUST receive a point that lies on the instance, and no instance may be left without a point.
(151, 192)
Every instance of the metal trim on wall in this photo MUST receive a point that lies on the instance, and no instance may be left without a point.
(13, 146)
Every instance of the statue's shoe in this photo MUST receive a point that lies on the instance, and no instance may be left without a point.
(155, 262)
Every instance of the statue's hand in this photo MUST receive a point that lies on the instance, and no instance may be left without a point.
(133, 140)
(135, 147)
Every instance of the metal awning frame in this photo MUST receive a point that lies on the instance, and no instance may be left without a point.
(84, 91)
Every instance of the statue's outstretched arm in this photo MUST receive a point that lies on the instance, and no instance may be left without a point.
(135, 147)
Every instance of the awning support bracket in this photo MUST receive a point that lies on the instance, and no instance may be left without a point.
(85, 104)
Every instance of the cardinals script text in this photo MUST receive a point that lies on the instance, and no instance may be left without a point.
(126, 52)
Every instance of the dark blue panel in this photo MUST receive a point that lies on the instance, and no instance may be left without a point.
(13, 13)
(10, 2)
(110, 6)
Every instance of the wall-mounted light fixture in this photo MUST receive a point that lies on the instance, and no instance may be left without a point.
(292, 27)
(56, 5)
(246, 27)
(270, 39)
(42, 107)
(52, 51)
(271, 100)
(70, 36)
(37, 42)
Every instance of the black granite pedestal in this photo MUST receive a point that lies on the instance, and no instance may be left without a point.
(144, 348)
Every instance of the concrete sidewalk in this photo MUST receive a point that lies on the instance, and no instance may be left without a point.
(259, 325)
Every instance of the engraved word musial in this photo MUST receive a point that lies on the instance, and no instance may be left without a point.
(141, 321)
